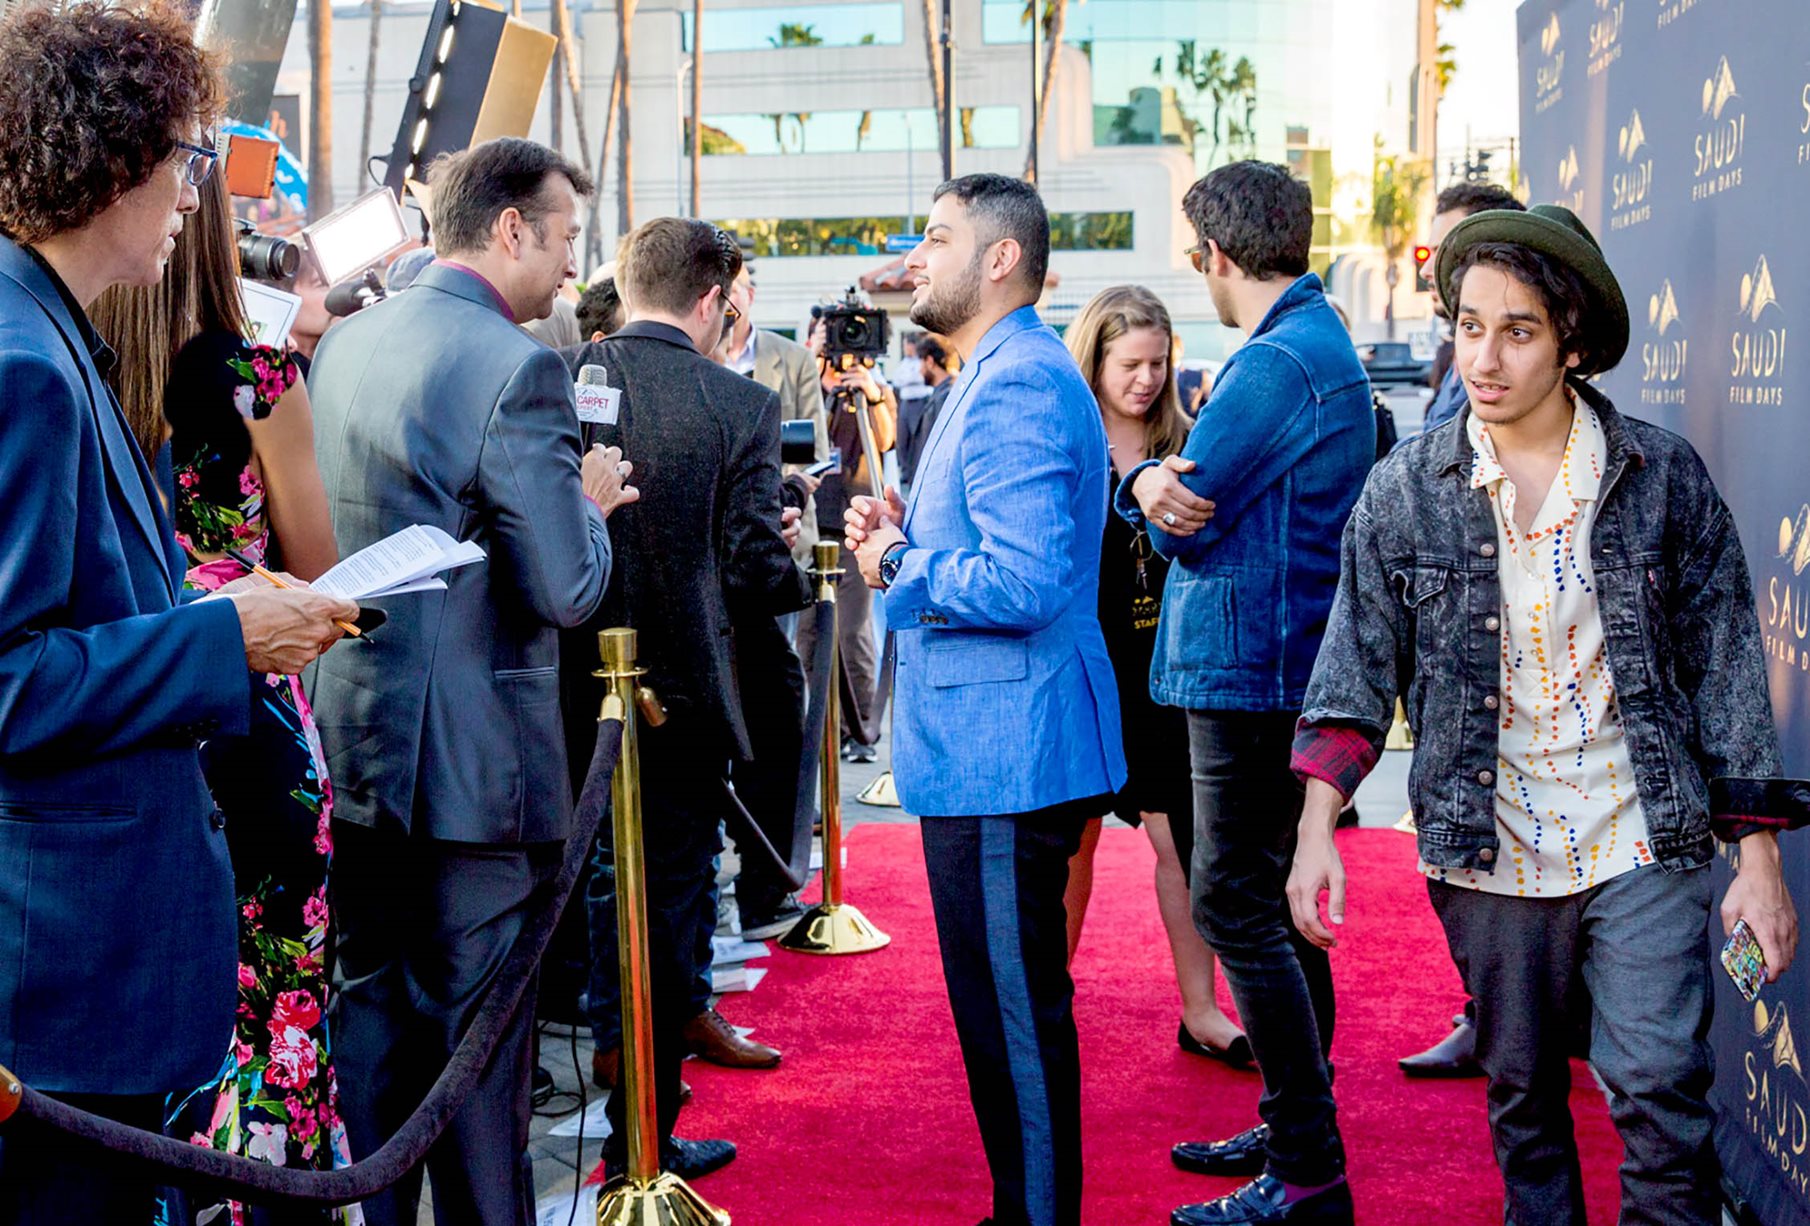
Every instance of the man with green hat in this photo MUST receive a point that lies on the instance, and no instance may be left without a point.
(1559, 594)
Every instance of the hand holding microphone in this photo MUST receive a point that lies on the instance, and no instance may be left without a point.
(605, 475)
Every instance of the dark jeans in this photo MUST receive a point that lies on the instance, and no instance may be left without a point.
(1638, 941)
(423, 927)
(859, 653)
(996, 886)
(771, 680)
(682, 803)
(1247, 803)
(48, 1180)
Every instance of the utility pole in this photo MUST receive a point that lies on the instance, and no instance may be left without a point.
(697, 96)
(948, 116)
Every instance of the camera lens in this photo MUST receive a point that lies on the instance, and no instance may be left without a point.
(265, 257)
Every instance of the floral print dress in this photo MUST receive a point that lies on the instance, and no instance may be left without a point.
(274, 1099)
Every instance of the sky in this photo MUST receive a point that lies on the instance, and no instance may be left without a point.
(1482, 96)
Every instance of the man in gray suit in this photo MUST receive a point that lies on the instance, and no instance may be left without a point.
(443, 732)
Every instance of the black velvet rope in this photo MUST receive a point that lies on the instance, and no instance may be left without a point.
(247, 1180)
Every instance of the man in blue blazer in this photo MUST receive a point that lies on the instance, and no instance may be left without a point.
(117, 939)
(1005, 716)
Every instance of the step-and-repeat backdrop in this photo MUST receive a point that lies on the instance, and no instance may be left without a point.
(1679, 130)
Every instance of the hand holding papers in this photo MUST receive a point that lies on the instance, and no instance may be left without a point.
(409, 561)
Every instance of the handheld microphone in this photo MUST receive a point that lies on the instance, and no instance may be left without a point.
(350, 297)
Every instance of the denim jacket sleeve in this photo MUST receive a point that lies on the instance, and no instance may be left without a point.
(1355, 677)
(1021, 485)
(1246, 437)
(1720, 664)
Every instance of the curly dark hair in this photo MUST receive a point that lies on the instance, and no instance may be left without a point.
(92, 102)
(1261, 216)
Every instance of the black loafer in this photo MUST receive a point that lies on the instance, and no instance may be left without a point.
(1261, 1200)
(1237, 1053)
(1453, 1056)
(1243, 1154)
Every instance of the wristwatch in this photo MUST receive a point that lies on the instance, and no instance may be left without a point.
(889, 563)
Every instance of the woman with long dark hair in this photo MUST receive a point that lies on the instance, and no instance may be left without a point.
(235, 419)
(1123, 341)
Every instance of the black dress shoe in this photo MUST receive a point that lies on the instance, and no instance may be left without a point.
(1243, 1154)
(1261, 1200)
(1451, 1057)
(1237, 1053)
(687, 1159)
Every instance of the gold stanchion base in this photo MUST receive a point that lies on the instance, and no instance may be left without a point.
(827, 929)
(667, 1201)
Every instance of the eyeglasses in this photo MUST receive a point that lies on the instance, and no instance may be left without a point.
(200, 162)
(731, 313)
(1197, 256)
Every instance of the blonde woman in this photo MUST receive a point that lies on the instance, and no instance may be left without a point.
(1123, 342)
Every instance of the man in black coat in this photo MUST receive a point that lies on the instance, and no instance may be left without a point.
(701, 549)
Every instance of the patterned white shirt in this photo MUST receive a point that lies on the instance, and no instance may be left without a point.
(1567, 814)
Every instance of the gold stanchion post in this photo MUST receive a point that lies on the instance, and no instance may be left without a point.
(641, 1195)
(832, 926)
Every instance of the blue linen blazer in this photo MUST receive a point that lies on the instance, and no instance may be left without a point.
(1004, 699)
(117, 932)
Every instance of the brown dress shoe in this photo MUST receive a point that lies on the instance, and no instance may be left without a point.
(606, 1067)
(710, 1037)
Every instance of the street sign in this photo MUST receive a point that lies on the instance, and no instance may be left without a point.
(899, 244)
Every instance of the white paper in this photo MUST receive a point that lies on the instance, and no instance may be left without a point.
(269, 312)
(404, 562)
(598, 405)
(596, 1120)
(728, 950)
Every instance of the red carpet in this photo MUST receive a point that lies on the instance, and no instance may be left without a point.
(867, 1122)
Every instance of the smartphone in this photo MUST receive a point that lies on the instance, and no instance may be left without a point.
(823, 466)
(1744, 961)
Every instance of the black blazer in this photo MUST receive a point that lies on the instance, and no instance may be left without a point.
(701, 548)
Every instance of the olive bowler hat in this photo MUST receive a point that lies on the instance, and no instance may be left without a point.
(1556, 232)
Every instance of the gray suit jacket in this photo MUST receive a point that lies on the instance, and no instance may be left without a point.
(789, 368)
(431, 407)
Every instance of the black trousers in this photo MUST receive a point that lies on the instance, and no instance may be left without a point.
(1247, 805)
(996, 885)
(771, 679)
(47, 1180)
(682, 805)
(424, 926)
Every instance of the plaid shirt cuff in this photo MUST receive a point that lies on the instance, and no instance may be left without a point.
(1337, 754)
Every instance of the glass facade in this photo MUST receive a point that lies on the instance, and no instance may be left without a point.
(894, 131)
(800, 25)
(778, 237)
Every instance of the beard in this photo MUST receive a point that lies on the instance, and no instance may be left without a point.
(949, 306)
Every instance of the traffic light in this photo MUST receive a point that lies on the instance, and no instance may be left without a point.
(1423, 276)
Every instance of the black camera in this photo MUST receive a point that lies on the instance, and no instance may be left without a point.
(850, 327)
(798, 441)
(265, 257)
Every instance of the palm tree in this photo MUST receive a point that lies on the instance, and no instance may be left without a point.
(1396, 188)
(569, 53)
(1055, 17)
(364, 140)
(593, 240)
(933, 56)
(697, 102)
(320, 108)
(625, 174)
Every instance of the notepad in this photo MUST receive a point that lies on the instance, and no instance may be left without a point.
(408, 561)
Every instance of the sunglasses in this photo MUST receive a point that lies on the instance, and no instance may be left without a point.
(1197, 256)
(200, 162)
(731, 313)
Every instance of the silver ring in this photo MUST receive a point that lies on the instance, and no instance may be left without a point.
(1169, 518)
(622, 468)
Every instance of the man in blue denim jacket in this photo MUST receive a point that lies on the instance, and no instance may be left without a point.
(1280, 450)
(1560, 595)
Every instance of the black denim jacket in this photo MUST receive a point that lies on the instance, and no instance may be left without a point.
(1417, 615)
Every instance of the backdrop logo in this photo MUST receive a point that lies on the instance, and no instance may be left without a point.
(1721, 135)
(1672, 10)
(1757, 345)
(1548, 74)
(1632, 182)
(1605, 35)
(1803, 129)
(1665, 351)
(1571, 193)
(1776, 1094)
